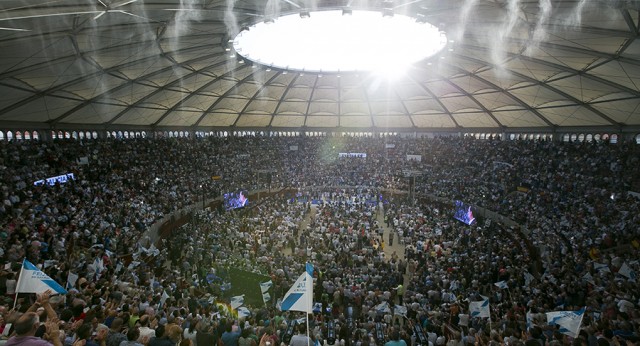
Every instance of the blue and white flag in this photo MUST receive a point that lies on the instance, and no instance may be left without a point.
(243, 312)
(317, 308)
(529, 320)
(626, 271)
(237, 302)
(528, 278)
(501, 284)
(33, 280)
(603, 267)
(400, 310)
(266, 297)
(569, 321)
(300, 295)
(383, 308)
(72, 278)
(479, 309)
(265, 286)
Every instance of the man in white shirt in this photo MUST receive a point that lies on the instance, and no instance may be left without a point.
(146, 333)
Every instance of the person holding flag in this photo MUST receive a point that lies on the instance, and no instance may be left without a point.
(27, 324)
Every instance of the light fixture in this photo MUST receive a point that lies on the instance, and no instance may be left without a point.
(347, 11)
(305, 14)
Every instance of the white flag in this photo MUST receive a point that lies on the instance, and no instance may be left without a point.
(501, 284)
(266, 297)
(529, 320)
(243, 312)
(569, 321)
(528, 278)
(33, 280)
(400, 310)
(601, 267)
(383, 307)
(625, 270)
(479, 309)
(71, 280)
(164, 297)
(265, 286)
(300, 295)
(237, 302)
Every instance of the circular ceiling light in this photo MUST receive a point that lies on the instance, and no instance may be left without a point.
(328, 41)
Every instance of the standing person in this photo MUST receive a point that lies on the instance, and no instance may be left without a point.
(391, 237)
(229, 337)
(395, 340)
(301, 339)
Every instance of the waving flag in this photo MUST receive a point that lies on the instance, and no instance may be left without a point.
(400, 310)
(569, 321)
(383, 308)
(501, 284)
(625, 270)
(72, 278)
(243, 312)
(300, 295)
(603, 267)
(237, 302)
(528, 278)
(529, 320)
(33, 280)
(164, 297)
(265, 286)
(479, 309)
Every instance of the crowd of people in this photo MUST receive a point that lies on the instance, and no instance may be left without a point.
(577, 227)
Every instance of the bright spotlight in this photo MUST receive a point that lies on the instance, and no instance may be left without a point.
(340, 41)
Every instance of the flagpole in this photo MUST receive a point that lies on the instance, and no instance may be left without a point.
(308, 335)
(15, 299)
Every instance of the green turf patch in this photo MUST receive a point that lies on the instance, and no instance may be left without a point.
(247, 283)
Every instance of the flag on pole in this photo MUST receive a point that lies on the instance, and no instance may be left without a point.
(33, 280)
(300, 295)
(569, 321)
(626, 271)
(265, 286)
(501, 284)
(479, 308)
(237, 302)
